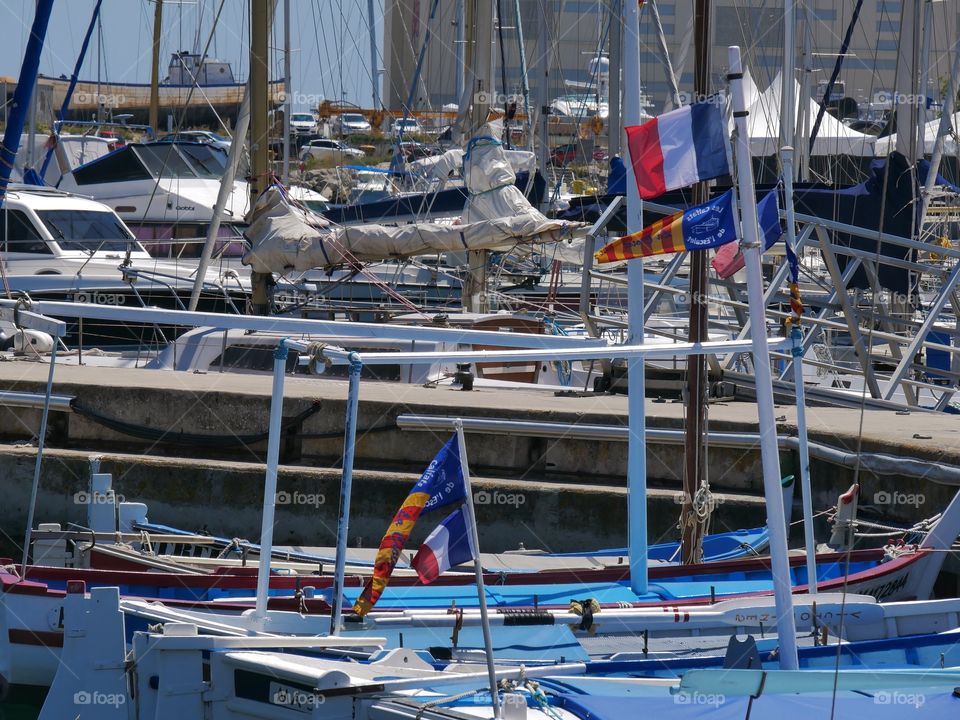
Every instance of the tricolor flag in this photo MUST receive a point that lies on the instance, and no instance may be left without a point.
(679, 148)
(440, 485)
(729, 260)
(709, 225)
(451, 544)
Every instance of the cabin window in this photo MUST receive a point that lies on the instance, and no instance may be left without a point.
(20, 235)
(118, 166)
(86, 230)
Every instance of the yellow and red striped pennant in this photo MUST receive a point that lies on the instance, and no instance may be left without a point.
(664, 236)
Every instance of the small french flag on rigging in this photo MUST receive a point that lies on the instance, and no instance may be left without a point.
(679, 148)
(450, 544)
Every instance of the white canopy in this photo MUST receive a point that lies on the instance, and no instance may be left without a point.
(888, 144)
(833, 138)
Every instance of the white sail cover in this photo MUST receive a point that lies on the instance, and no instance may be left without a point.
(285, 236)
(440, 166)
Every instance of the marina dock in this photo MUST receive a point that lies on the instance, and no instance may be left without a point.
(182, 443)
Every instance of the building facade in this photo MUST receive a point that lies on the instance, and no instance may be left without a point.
(569, 33)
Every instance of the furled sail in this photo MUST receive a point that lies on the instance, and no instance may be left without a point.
(285, 236)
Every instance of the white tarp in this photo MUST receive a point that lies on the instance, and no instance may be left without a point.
(833, 138)
(74, 150)
(497, 216)
(887, 145)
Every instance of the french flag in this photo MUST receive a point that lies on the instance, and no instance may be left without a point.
(449, 545)
(678, 149)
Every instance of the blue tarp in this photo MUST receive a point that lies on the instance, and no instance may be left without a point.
(892, 705)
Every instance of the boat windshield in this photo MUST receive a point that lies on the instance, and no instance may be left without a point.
(86, 230)
(207, 160)
(181, 160)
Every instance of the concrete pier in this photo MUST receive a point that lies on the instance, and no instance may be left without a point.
(178, 441)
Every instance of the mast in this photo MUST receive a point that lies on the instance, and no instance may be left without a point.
(544, 44)
(803, 129)
(458, 44)
(374, 68)
(26, 85)
(636, 368)
(480, 75)
(788, 113)
(695, 454)
(62, 114)
(154, 117)
(31, 129)
(924, 68)
(942, 131)
(752, 248)
(524, 75)
(260, 13)
(614, 121)
(287, 95)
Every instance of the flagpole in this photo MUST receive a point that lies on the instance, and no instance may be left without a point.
(270, 481)
(478, 568)
(803, 452)
(346, 488)
(776, 524)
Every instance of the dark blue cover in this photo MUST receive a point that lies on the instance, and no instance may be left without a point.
(863, 205)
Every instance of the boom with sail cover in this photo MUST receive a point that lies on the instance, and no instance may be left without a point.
(497, 216)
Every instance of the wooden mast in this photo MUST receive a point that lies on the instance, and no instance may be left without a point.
(155, 66)
(695, 455)
(260, 13)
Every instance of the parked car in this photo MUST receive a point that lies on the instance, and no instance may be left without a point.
(301, 122)
(351, 124)
(329, 149)
(417, 150)
(405, 126)
(202, 136)
(563, 154)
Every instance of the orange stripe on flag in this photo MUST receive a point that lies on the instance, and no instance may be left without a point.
(663, 236)
(391, 546)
